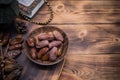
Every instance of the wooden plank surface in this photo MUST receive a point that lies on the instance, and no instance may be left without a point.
(97, 38)
(99, 50)
(93, 29)
(32, 71)
(92, 67)
(82, 11)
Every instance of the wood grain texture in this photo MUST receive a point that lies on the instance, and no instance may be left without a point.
(93, 67)
(93, 29)
(82, 11)
(33, 71)
(66, 76)
(98, 38)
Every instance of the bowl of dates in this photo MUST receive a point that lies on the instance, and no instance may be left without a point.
(46, 45)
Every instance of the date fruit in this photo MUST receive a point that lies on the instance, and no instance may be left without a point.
(14, 47)
(14, 53)
(53, 54)
(50, 36)
(55, 44)
(5, 38)
(58, 35)
(43, 36)
(45, 57)
(42, 44)
(31, 42)
(17, 40)
(42, 52)
(33, 53)
(10, 67)
(59, 52)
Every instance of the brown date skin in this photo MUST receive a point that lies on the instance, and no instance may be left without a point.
(10, 67)
(53, 54)
(5, 39)
(45, 57)
(46, 36)
(14, 47)
(18, 37)
(33, 53)
(14, 53)
(13, 42)
(31, 42)
(36, 40)
(58, 35)
(50, 36)
(55, 44)
(59, 51)
(17, 40)
(43, 36)
(14, 75)
(42, 52)
(42, 44)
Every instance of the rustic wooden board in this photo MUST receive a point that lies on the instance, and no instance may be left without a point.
(96, 56)
(33, 71)
(92, 67)
(81, 11)
(98, 39)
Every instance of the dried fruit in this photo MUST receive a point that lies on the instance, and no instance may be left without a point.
(53, 54)
(11, 69)
(5, 38)
(43, 36)
(45, 57)
(42, 44)
(14, 75)
(50, 36)
(55, 44)
(42, 52)
(58, 35)
(15, 47)
(59, 52)
(31, 42)
(33, 53)
(14, 53)
(17, 40)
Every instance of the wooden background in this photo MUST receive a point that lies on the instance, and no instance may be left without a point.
(93, 29)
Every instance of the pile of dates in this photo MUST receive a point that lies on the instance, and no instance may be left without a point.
(46, 46)
(15, 46)
(9, 69)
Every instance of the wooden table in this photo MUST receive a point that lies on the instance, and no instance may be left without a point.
(93, 29)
